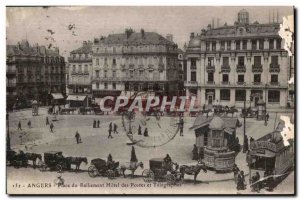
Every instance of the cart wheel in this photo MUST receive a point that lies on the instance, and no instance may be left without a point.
(110, 174)
(170, 179)
(92, 171)
(59, 168)
(148, 175)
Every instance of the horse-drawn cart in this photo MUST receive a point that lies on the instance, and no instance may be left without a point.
(160, 171)
(55, 161)
(100, 167)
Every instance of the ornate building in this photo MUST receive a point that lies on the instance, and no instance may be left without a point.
(80, 69)
(135, 61)
(33, 72)
(245, 61)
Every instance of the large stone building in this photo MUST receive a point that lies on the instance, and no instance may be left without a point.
(33, 72)
(245, 61)
(80, 70)
(135, 61)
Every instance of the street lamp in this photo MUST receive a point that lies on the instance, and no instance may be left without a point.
(266, 123)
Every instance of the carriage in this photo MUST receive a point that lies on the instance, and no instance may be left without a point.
(16, 159)
(55, 161)
(249, 112)
(161, 171)
(100, 167)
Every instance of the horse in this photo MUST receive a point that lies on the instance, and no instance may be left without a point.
(33, 157)
(132, 166)
(192, 170)
(76, 161)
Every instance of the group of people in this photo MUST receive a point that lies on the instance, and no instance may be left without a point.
(140, 131)
(112, 128)
(239, 178)
(96, 124)
(197, 154)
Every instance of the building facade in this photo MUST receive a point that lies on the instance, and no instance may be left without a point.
(244, 62)
(135, 61)
(80, 70)
(33, 72)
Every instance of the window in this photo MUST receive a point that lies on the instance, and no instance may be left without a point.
(225, 61)
(274, 96)
(131, 73)
(254, 44)
(74, 68)
(238, 45)
(225, 78)
(114, 61)
(97, 73)
(261, 44)
(278, 44)
(97, 61)
(240, 95)
(213, 46)
(114, 86)
(241, 61)
(207, 46)
(210, 77)
(241, 78)
(150, 74)
(97, 85)
(225, 95)
(105, 61)
(274, 78)
(114, 49)
(257, 61)
(97, 50)
(216, 138)
(86, 55)
(193, 62)
(271, 44)
(193, 76)
(274, 59)
(244, 44)
(105, 73)
(86, 68)
(228, 45)
(105, 50)
(210, 61)
(79, 68)
(257, 78)
(222, 46)
(105, 86)
(114, 74)
(141, 73)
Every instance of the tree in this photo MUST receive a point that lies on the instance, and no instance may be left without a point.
(133, 156)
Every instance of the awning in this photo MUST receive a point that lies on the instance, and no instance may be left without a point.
(76, 98)
(262, 153)
(57, 96)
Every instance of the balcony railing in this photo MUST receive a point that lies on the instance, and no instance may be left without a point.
(241, 68)
(257, 83)
(225, 83)
(274, 67)
(193, 67)
(191, 83)
(210, 82)
(274, 83)
(210, 68)
(241, 83)
(79, 60)
(225, 68)
(257, 68)
(79, 73)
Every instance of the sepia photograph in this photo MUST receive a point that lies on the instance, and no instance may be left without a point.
(150, 100)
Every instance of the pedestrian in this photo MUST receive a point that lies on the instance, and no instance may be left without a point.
(146, 132)
(267, 116)
(109, 134)
(78, 138)
(115, 129)
(195, 152)
(236, 171)
(181, 123)
(51, 127)
(94, 124)
(19, 126)
(29, 124)
(110, 161)
(140, 130)
(98, 124)
(110, 125)
(47, 121)
(241, 181)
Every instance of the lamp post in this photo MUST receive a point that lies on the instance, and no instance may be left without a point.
(266, 123)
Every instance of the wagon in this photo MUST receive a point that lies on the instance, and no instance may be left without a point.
(16, 159)
(160, 171)
(100, 167)
(55, 161)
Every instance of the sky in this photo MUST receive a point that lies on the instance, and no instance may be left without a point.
(68, 27)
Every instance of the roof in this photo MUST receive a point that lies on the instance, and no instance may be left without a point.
(57, 96)
(216, 123)
(136, 38)
(229, 123)
(76, 97)
(85, 49)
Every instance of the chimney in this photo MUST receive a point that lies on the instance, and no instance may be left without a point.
(169, 37)
(192, 35)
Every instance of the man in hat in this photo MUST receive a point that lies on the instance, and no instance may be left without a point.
(19, 126)
(51, 127)
(78, 138)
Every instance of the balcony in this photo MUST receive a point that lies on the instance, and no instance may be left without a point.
(225, 68)
(210, 68)
(257, 83)
(257, 68)
(225, 83)
(193, 67)
(210, 82)
(191, 83)
(274, 84)
(79, 60)
(79, 73)
(241, 83)
(274, 67)
(11, 72)
(240, 68)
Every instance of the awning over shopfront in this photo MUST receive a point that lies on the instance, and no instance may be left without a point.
(57, 96)
(76, 97)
